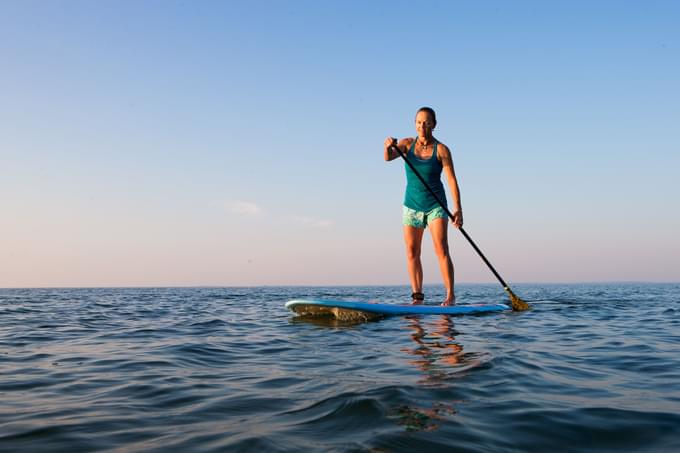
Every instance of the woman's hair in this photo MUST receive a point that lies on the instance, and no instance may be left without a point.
(429, 111)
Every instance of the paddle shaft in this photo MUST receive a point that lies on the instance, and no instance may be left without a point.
(445, 208)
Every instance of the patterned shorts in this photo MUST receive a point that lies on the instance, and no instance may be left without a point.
(420, 219)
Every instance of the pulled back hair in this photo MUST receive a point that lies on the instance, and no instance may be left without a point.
(429, 111)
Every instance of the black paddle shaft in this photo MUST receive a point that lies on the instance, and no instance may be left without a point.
(441, 203)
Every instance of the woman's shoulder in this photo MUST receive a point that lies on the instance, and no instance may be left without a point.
(408, 141)
(442, 146)
(443, 150)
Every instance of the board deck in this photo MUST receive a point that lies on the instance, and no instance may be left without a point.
(342, 309)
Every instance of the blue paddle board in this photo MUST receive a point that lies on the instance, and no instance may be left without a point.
(342, 308)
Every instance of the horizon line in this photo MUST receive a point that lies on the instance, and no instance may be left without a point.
(598, 282)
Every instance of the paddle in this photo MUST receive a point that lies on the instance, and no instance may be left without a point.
(517, 303)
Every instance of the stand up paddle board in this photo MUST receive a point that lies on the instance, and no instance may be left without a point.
(347, 310)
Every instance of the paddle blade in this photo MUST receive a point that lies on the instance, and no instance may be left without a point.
(517, 303)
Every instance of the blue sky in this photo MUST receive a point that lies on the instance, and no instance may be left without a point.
(240, 143)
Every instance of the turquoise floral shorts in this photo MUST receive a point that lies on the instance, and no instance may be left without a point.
(420, 219)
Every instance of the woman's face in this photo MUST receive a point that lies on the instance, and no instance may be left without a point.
(424, 124)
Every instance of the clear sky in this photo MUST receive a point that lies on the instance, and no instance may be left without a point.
(240, 143)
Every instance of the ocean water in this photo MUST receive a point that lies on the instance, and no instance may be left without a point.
(589, 368)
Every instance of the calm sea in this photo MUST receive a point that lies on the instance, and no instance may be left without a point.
(590, 368)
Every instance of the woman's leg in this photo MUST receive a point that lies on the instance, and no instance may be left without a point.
(413, 237)
(439, 230)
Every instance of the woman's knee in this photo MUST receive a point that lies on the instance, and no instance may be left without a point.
(442, 251)
(412, 252)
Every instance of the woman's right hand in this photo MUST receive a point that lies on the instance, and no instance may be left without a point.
(389, 141)
(389, 154)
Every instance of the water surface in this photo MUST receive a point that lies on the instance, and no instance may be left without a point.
(589, 368)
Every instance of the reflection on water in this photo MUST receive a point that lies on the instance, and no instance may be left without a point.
(437, 353)
(422, 419)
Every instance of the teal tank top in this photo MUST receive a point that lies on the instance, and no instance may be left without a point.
(417, 196)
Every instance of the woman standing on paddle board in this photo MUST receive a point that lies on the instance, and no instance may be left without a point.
(421, 209)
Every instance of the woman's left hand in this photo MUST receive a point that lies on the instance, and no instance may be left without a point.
(457, 219)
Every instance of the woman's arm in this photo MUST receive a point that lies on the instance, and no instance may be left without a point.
(444, 155)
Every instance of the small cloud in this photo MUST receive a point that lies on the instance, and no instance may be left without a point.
(243, 208)
(311, 222)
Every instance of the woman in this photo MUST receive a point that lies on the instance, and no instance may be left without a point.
(430, 158)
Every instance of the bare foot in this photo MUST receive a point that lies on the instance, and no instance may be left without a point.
(451, 300)
(417, 298)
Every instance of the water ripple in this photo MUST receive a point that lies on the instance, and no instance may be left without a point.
(590, 367)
